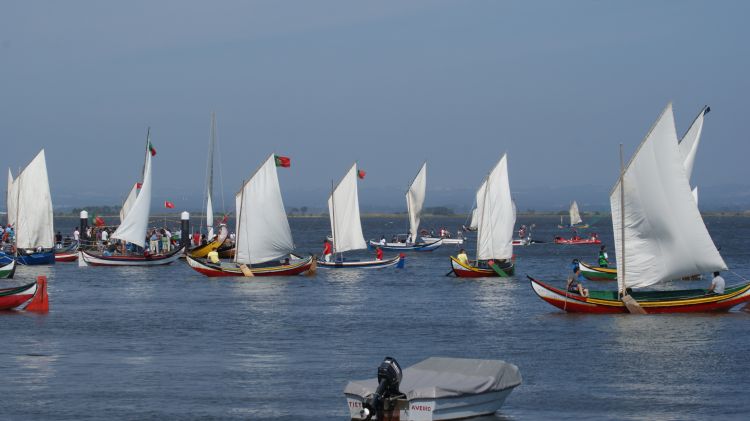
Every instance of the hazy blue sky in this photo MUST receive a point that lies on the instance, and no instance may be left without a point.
(555, 84)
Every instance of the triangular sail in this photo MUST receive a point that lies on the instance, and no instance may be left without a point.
(497, 215)
(665, 237)
(263, 231)
(210, 180)
(575, 216)
(34, 217)
(476, 213)
(133, 228)
(415, 200)
(10, 199)
(689, 145)
(129, 202)
(343, 209)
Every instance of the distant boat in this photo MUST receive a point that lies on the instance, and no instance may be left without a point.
(496, 217)
(672, 243)
(30, 213)
(264, 243)
(576, 240)
(415, 196)
(346, 227)
(133, 229)
(575, 218)
(68, 253)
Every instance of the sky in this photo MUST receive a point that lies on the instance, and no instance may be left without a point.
(389, 84)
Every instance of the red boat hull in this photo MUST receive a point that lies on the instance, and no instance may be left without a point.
(66, 257)
(11, 298)
(560, 240)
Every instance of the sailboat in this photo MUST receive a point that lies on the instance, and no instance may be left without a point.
(343, 210)
(133, 229)
(415, 195)
(659, 236)
(496, 217)
(30, 213)
(214, 241)
(575, 218)
(264, 238)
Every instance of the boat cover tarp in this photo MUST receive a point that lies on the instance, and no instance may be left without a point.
(438, 377)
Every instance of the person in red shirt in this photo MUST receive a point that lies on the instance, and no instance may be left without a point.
(327, 250)
(379, 253)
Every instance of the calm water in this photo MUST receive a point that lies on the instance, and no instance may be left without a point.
(168, 343)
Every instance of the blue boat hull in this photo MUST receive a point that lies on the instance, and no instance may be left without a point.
(42, 258)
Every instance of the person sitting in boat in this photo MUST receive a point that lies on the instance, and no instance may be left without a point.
(717, 285)
(378, 253)
(575, 236)
(327, 250)
(213, 256)
(574, 265)
(603, 257)
(575, 285)
(594, 236)
(463, 258)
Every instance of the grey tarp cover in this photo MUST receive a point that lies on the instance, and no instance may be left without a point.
(438, 377)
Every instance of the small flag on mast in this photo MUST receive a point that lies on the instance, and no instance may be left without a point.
(282, 161)
(151, 148)
(361, 174)
(168, 204)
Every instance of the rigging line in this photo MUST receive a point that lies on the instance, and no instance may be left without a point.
(221, 172)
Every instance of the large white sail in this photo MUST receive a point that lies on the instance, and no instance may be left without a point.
(129, 202)
(575, 216)
(343, 208)
(665, 237)
(210, 180)
(497, 216)
(690, 141)
(476, 213)
(415, 200)
(34, 218)
(262, 227)
(10, 199)
(133, 228)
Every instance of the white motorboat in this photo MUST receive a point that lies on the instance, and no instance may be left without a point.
(434, 389)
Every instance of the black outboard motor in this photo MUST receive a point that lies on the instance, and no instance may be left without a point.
(384, 398)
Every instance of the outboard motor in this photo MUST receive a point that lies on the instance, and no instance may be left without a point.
(385, 396)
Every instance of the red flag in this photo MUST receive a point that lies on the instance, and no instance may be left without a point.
(138, 185)
(98, 221)
(282, 161)
(361, 174)
(168, 204)
(151, 148)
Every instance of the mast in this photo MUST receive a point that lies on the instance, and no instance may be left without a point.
(333, 219)
(210, 178)
(622, 220)
(239, 219)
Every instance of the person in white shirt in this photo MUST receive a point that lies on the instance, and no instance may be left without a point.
(105, 236)
(76, 235)
(717, 284)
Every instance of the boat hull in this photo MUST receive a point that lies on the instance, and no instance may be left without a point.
(560, 240)
(200, 252)
(11, 298)
(595, 273)
(362, 264)
(404, 247)
(221, 270)
(67, 254)
(469, 271)
(8, 270)
(95, 259)
(653, 302)
(456, 241)
(37, 258)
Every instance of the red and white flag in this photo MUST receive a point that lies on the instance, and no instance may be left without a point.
(168, 204)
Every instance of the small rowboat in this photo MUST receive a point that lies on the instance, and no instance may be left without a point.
(407, 247)
(676, 301)
(578, 240)
(16, 296)
(275, 268)
(67, 254)
(7, 270)
(483, 270)
(397, 261)
(456, 241)
(594, 273)
(36, 258)
(98, 259)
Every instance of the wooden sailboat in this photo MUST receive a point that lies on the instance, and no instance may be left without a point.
(67, 254)
(496, 217)
(575, 218)
(415, 196)
(133, 229)
(30, 213)
(343, 210)
(659, 236)
(264, 238)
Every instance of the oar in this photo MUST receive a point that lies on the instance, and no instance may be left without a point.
(632, 305)
(497, 269)
(246, 270)
(449, 273)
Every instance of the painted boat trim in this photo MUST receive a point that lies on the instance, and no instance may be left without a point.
(214, 270)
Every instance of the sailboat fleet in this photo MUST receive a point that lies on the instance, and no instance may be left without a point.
(658, 230)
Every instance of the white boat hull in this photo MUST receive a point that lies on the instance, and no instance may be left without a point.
(457, 241)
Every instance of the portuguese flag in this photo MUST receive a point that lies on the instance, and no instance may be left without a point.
(361, 174)
(99, 221)
(151, 148)
(282, 161)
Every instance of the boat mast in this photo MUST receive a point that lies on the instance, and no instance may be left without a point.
(18, 201)
(333, 219)
(622, 220)
(239, 219)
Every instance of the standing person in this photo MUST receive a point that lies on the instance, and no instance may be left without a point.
(76, 235)
(603, 257)
(164, 241)
(168, 233)
(105, 236)
(58, 239)
(327, 250)
(378, 253)
(196, 239)
(717, 285)
(154, 243)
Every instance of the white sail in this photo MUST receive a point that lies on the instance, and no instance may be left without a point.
(133, 228)
(10, 199)
(262, 227)
(343, 209)
(415, 200)
(665, 237)
(695, 193)
(210, 217)
(474, 221)
(129, 202)
(210, 180)
(690, 141)
(34, 219)
(497, 216)
(575, 216)
(476, 213)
